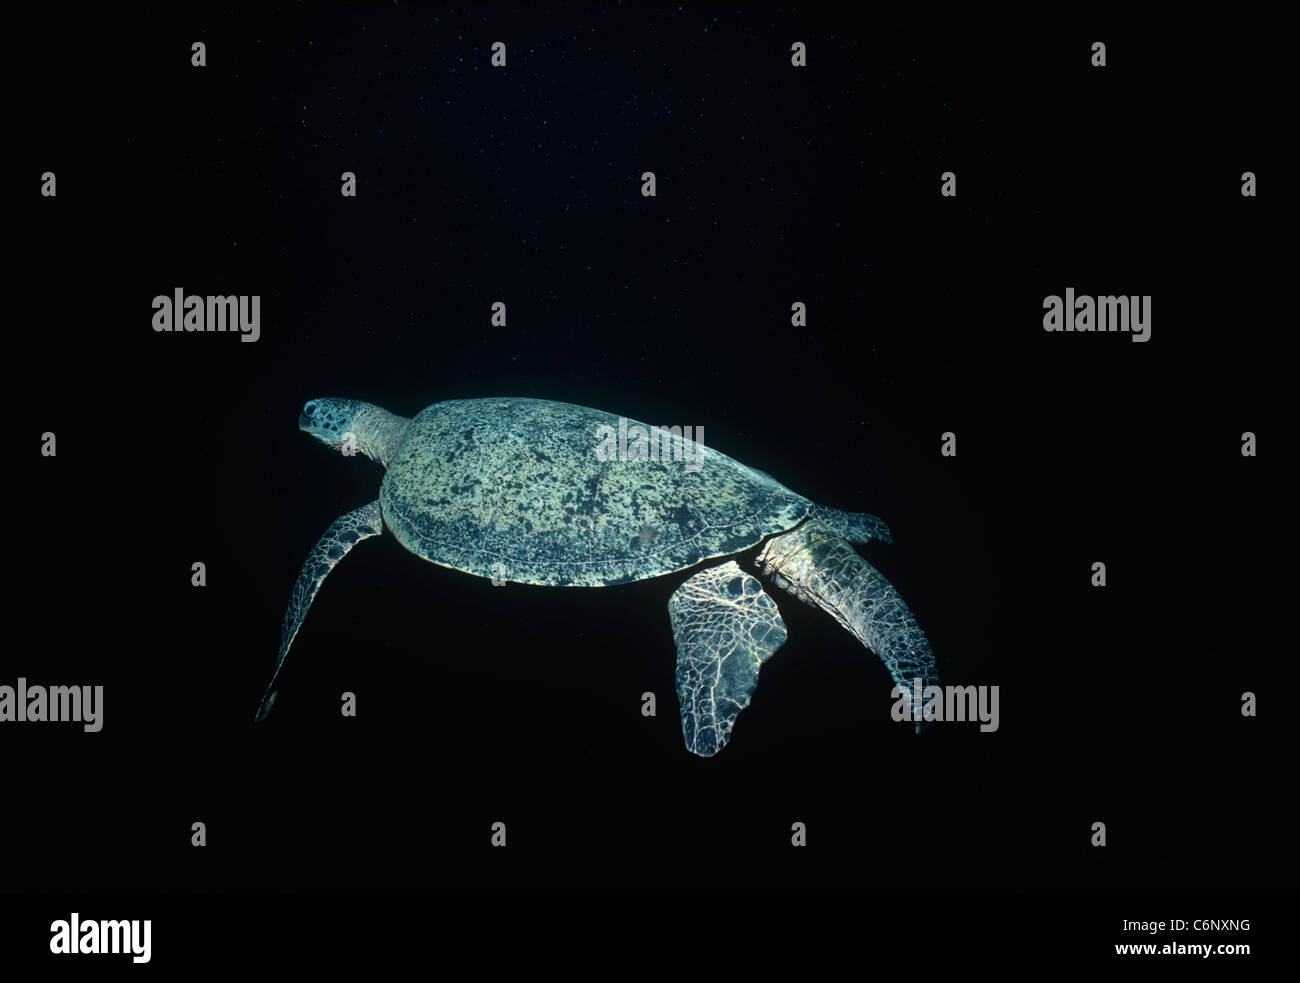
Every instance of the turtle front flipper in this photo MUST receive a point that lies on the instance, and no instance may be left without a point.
(341, 536)
(813, 563)
(725, 626)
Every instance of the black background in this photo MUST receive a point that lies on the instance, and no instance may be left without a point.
(775, 184)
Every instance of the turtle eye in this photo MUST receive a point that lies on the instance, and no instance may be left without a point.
(309, 410)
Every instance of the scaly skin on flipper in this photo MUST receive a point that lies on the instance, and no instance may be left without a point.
(725, 626)
(346, 532)
(821, 569)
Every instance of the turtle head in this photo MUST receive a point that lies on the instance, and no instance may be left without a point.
(330, 420)
(349, 425)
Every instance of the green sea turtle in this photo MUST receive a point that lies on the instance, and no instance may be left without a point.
(538, 492)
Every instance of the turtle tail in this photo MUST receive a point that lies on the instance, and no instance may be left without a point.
(856, 527)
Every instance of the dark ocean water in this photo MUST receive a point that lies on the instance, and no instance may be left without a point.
(775, 185)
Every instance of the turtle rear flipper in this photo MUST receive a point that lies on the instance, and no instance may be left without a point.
(725, 626)
(820, 568)
(345, 532)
